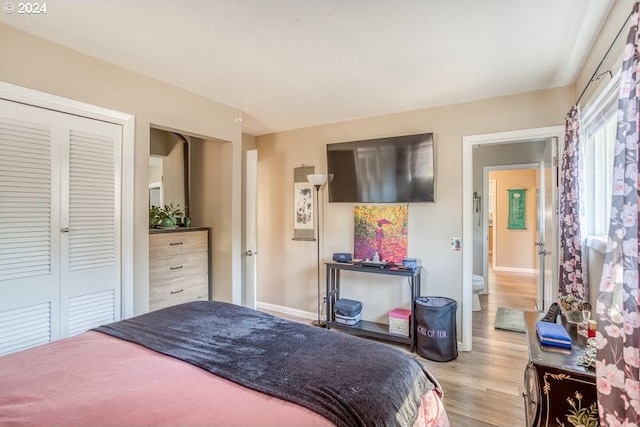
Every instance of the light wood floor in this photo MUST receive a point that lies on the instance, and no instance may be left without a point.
(484, 387)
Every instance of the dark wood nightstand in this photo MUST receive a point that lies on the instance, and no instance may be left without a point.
(557, 389)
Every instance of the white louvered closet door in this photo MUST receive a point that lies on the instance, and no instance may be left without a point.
(90, 285)
(59, 225)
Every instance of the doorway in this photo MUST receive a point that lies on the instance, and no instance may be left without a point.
(474, 242)
(511, 248)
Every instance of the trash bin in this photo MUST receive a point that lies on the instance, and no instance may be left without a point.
(436, 335)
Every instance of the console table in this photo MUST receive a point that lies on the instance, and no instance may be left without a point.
(365, 328)
(553, 379)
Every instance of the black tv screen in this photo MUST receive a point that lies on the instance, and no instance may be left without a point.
(397, 169)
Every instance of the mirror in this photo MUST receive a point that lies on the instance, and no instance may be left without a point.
(168, 169)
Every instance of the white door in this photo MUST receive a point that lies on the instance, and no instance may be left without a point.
(250, 243)
(29, 227)
(546, 224)
(57, 227)
(90, 227)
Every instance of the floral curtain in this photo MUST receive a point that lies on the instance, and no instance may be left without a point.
(571, 281)
(618, 336)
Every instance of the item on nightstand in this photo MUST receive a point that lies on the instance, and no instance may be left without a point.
(342, 257)
(553, 334)
(348, 320)
(552, 313)
(399, 321)
(592, 325)
(347, 307)
(410, 263)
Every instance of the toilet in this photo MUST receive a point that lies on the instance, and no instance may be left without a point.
(477, 284)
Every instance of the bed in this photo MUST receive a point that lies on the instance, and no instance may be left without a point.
(211, 364)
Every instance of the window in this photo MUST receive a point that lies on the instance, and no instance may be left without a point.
(598, 138)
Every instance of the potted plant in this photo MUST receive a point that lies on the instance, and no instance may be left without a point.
(165, 217)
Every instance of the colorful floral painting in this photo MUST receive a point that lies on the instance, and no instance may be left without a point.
(380, 230)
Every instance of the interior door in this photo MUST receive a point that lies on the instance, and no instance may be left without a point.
(550, 224)
(250, 239)
(546, 224)
(90, 227)
(29, 227)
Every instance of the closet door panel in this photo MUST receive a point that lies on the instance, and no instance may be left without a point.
(60, 203)
(29, 227)
(91, 274)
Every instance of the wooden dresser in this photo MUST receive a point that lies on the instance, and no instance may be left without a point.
(558, 392)
(179, 266)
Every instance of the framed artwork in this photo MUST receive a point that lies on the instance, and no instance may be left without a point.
(516, 218)
(303, 204)
(381, 230)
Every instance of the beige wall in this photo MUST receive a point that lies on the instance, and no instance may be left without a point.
(211, 167)
(41, 65)
(514, 250)
(287, 272)
(617, 16)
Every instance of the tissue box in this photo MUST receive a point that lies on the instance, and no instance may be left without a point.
(399, 321)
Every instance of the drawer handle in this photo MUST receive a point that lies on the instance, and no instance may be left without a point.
(176, 292)
(175, 244)
(526, 397)
(175, 268)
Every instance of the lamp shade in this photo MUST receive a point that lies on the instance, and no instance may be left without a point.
(317, 178)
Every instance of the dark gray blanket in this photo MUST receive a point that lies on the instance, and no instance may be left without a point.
(348, 380)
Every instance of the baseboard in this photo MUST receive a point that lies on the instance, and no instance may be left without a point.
(286, 310)
(515, 270)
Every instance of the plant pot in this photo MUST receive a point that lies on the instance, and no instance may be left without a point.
(167, 223)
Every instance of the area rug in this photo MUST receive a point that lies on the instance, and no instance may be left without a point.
(509, 319)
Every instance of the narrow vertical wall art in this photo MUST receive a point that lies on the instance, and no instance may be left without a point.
(517, 209)
(381, 230)
(303, 221)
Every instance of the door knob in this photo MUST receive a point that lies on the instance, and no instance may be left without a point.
(250, 253)
(65, 230)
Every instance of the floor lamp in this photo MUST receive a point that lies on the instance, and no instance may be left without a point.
(318, 180)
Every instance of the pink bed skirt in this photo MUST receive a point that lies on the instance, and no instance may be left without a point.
(94, 379)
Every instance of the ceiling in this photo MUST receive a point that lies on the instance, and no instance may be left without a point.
(288, 64)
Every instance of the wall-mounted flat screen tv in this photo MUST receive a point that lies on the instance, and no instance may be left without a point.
(397, 169)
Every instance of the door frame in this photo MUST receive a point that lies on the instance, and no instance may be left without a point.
(468, 142)
(11, 92)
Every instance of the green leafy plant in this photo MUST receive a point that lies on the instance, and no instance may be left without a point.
(166, 216)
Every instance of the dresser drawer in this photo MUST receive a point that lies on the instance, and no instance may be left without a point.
(172, 244)
(178, 291)
(168, 268)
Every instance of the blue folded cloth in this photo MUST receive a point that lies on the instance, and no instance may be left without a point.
(553, 334)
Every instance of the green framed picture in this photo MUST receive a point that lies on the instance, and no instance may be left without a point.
(517, 209)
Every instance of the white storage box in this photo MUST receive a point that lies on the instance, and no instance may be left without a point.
(399, 321)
